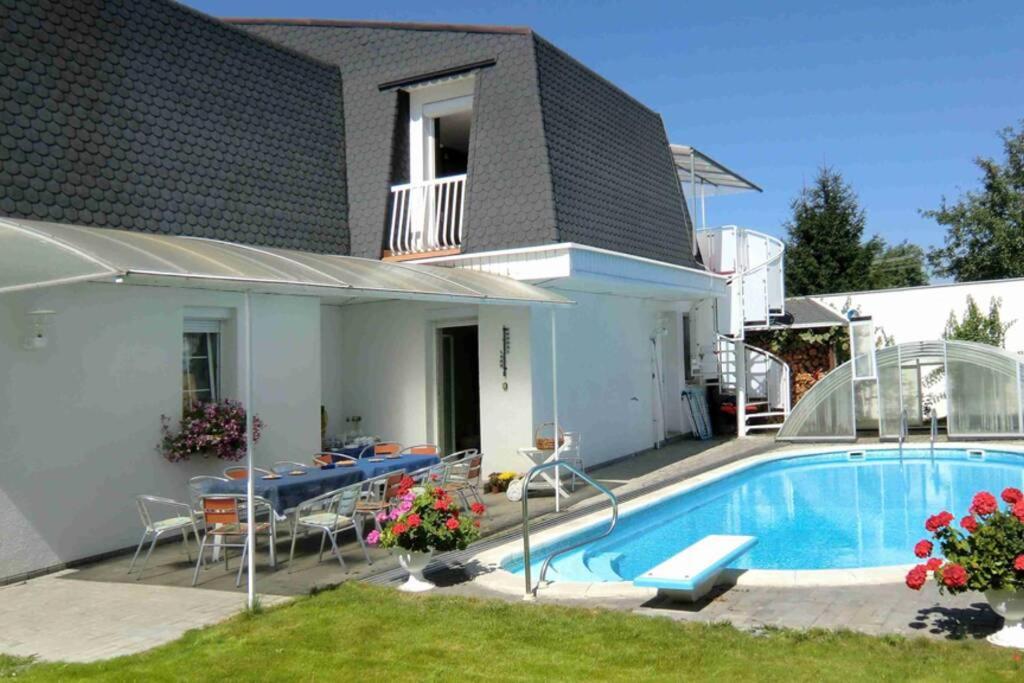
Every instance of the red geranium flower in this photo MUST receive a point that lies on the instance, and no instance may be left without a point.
(452, 523)
(1018, 510)
(916, 577)
(954, 576)
(414, 520)
(933, 564)
(1012, 495)
(936, 522)
(478, 508)
(404, 485)
(923, 548)
(399, 528)
(1018, 563)
(984, 503)
(441, 504)
(969, 523)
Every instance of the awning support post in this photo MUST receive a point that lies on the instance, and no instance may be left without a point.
(249, 443)
(554, 407)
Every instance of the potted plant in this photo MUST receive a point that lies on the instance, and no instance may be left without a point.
(986, 554)
(216, 429)
(424, 519)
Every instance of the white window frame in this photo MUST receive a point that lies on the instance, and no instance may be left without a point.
(209, 327)
(427, 102)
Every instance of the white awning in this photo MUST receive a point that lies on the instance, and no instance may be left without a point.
(37, 254)
(696, 168)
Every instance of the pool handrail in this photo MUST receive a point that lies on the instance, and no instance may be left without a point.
(904, 431)
(933, 434)
(531, 590)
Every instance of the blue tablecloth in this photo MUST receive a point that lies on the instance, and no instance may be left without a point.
(288, 491)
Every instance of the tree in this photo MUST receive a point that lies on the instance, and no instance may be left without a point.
(978, 327)
(823, 239)
(900, 265)
(985, 229)
(825, 251)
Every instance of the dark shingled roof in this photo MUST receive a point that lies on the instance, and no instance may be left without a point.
(146, 115)
(807, 312)
(558, 154)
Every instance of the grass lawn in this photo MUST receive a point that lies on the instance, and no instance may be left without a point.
(367, 633)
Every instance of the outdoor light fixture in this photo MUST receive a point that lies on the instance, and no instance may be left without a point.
(39, 320)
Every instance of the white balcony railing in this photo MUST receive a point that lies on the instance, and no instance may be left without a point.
(427, 216)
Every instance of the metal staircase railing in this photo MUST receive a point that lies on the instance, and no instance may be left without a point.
(531, 590)
(767, 381)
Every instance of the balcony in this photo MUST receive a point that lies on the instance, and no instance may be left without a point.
(425, 219)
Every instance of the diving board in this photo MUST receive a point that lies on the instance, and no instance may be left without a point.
(690, 574)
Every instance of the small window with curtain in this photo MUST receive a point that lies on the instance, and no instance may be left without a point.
(200, 362)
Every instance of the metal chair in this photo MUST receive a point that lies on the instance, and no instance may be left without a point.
(458, 456)
(286, 466)
(331, 458)
(199, 487)
(421, 449)
(330, 513)
(435, 475)
(382, 448)
(153, 529)
(223, 515)
(378, 494)
(464, 478)
(241, 472)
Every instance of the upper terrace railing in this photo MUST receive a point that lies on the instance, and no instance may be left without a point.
(427, 216)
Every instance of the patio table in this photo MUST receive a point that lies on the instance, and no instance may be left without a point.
(290, 490)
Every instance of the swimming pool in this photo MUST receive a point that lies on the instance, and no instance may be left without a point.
(809, 512)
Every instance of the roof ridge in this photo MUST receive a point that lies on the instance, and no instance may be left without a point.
(372, 23)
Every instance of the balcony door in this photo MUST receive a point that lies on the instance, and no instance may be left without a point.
(429, 210)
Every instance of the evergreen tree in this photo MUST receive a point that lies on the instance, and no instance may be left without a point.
(985, 229)
(900, 265)
(823, 239)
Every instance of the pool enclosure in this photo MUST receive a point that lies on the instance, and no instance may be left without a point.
(973, 389)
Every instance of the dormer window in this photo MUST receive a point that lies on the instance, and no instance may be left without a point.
(426, 214)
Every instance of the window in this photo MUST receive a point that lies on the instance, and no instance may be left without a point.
(200, 362)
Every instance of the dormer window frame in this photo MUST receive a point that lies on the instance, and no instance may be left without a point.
(427, 102)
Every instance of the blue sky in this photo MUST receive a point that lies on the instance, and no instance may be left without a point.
(898, 96)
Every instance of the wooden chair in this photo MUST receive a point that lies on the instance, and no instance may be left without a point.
(222, 514)
(464, 479)
(459, 456)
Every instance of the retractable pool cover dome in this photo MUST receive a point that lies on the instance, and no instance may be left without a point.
(975, 388)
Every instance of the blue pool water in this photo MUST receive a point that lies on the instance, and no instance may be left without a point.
(809, 512)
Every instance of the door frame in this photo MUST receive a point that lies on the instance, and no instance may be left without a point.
(435, 384)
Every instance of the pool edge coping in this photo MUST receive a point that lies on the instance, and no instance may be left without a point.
(485, 568)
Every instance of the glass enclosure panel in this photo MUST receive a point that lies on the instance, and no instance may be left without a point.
(890, 399)
(826, 411)
(984, 395)
(862, 348)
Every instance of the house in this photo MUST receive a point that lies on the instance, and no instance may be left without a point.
(391, 212)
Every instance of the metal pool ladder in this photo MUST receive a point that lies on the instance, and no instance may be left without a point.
(531, 590)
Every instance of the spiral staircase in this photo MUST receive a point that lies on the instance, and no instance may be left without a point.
(759, 380)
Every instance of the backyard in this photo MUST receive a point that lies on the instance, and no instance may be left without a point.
(376, 633)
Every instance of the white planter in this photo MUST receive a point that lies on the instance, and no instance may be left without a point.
(1010, 606)
(414, 563)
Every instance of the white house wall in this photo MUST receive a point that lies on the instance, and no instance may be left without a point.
(80, 419)
(920, 313)
(604, 372)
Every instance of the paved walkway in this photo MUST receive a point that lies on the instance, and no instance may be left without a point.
(54, 618)
(878, 609)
